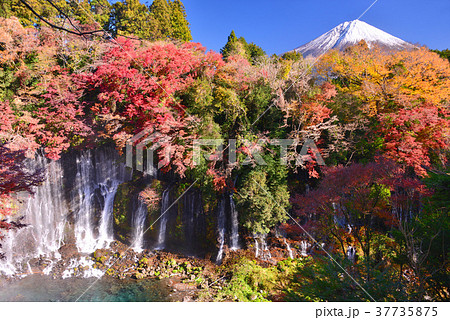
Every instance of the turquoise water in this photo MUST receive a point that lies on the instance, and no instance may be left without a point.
(42, 288)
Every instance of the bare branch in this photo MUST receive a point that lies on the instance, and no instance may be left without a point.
(80, 33)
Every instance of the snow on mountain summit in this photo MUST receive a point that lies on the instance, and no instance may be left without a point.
(350, 33)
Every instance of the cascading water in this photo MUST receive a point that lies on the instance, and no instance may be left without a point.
(109, 174)
(234, 237)
(108, 191)
(261, 249)
(139, 216)
(189, 217)
(351, 254)
(221, 222)
(165, 204)
(89, 199)
(98, 178)
(84, 186)
(194, 224)
(45, 217)
(304, 246)
(288, 248)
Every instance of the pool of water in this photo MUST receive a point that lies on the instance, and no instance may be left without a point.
(42, 288)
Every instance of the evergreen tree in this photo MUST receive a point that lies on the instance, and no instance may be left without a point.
(240, 46)
(254, 52)
(292, 55)
(130, 17)
(178, 19)
(445, 54)
(230, 46)
(160, 11)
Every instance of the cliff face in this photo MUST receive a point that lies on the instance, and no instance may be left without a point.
(91, 199)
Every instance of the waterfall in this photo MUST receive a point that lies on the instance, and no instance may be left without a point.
(138, 222)
(45, 215)
(84, 186)
(108, 192)
(304, 246)
(188, 217)
(165, 204)
(221, 222)
(351, 254)
(193, 221)
(261, 248)
(97, 180)
(84, 190)
(288, 247)
(234, 237)
(109, 174)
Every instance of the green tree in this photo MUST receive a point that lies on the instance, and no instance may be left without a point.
(90, 12)
(230, 46)
(255, 52)
(160, 11)
(179, 22)
(16, 8)
(263, 197)
(443, 53)
(240, 46)
(293, 56)
(320, 279)
(83, 11)
(130, 17)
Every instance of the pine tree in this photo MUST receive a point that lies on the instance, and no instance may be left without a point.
(231, 45)
(178, 19)
(239, 46)
(160, 11)
(254, 52)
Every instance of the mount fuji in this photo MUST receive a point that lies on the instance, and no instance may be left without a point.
(350, 33)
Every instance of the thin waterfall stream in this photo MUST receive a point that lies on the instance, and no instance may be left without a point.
(165, 204)
(234, 236)
(139, 218)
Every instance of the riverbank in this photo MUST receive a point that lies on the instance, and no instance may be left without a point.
(176, 277)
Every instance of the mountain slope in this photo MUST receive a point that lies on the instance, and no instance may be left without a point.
(350, 33)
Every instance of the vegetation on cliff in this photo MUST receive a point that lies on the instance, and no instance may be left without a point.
(380, 121)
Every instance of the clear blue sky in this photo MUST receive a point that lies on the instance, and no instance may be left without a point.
(280, 26)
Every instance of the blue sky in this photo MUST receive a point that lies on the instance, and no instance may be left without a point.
(280, 26)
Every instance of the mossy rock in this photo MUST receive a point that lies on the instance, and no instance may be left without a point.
(123, 209)
(139, 275)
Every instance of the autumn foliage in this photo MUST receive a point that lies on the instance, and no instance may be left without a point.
(403, 97)
(379, 119)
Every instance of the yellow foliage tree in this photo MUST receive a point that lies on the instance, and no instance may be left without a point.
(385, 81)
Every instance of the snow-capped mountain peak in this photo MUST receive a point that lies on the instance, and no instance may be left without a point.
(350, 33)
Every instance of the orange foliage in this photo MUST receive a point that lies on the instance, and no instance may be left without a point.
(384, 80)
